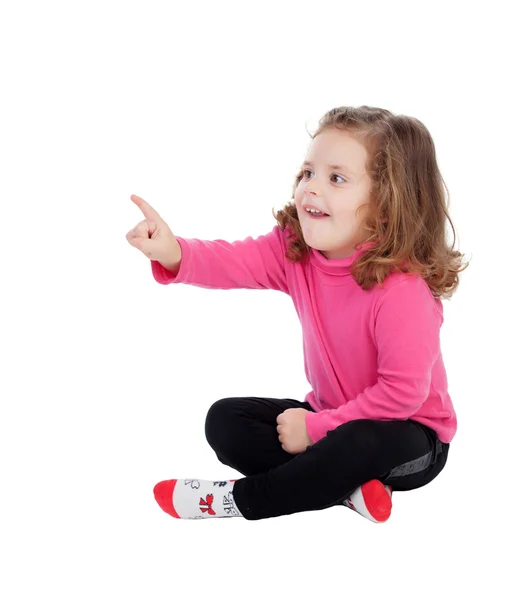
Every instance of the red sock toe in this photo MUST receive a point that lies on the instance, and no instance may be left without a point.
(164, 496)
(377, 500)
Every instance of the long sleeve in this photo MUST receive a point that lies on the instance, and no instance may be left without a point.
(407, 335)
(250, 263)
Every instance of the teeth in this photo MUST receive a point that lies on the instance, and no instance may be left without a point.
(314, 211)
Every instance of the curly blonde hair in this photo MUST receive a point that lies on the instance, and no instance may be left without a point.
(407, 211)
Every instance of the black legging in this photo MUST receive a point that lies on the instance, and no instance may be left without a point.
(242, 431)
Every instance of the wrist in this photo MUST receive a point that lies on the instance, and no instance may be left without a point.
(172, 267)
(172, 264)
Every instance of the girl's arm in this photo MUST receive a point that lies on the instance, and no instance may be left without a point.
(217, 264)
(407, 333)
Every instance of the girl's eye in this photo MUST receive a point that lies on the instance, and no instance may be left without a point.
(309, 171)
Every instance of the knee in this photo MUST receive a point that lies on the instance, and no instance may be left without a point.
(216, 425)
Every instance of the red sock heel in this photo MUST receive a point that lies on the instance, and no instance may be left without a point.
(373, 500)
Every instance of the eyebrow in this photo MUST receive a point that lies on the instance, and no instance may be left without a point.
(308, 163)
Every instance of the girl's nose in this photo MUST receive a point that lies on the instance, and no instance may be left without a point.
(309, 188)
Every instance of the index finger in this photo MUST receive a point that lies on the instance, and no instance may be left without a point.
(146, 208)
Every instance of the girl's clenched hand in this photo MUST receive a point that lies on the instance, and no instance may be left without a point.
(292, 430)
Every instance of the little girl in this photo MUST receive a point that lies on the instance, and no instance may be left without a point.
(362, 253)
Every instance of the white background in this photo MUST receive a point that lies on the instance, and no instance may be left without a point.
(107, 376)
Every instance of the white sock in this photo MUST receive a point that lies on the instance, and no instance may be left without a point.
(197, 498)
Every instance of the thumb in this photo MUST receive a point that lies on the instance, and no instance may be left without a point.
(151, 227)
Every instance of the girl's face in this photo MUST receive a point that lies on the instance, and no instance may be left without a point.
(337, 191)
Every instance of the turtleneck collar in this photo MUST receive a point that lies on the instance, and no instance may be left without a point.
(336, 266)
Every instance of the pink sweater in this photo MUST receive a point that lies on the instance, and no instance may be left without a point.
(368, 354)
